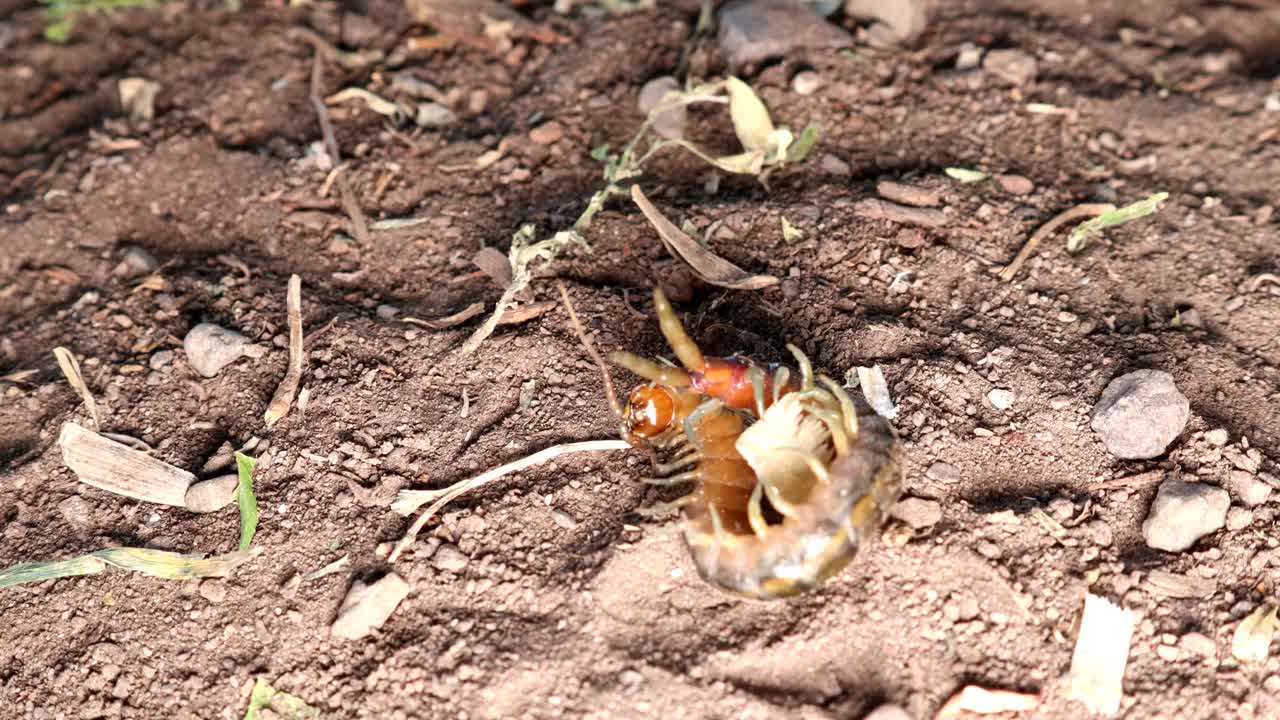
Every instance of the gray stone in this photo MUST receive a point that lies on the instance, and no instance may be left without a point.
(893, 22)
(134, 263)
(212, 495)
(433, 115)
(943, 472)
(1218, 437)
(807, 82)
(160, 359)
(1198, 644)
(450, 559)
(1000, 398)
(1239, 518)
(669, 124)
(76, 510)
(755, 30)
(1013, 66)
(1140, 414)
(970, 57)
(367, 607)
(919, 513)
(211, 347)
(1248, 489)
(1184, 512)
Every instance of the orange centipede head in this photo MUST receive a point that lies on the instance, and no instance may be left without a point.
(650, 410)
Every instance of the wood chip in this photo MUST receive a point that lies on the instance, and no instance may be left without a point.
(526, 312)
(704, 263)
(908, 194)
(1162, 582)
(117, 468)
(876, 209)
(1102, 651)
(495, 264)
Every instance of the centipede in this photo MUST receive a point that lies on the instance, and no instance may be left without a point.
(790, 474)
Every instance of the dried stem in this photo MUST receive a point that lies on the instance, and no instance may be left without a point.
(1075, 213)
(283, 398)
(605, 378)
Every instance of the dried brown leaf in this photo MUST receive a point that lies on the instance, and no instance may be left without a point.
(117, 468)
(449, 321)
(707, 265)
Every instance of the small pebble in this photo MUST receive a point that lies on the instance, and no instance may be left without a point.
(1218, 437)
(212, 495)
(564, 519)
(1168, 653)
(386, 312)
(210, 348)
(1000, 398)
(671, 123)
(1239, 518)
(807, 82)
(1140, 414)
(1184, 512)
(76, 510)
(889, 712)
(833, 165)
(919, 513)
(1248, 489)
(1272, 684)
(450, 559)
(367, 607)
(134, 263)
(1013, 66)
(943, 472)
(213, 590)
(1198, 644)
(755, 30)
(547, 133)
(1015, 184)
(969, 58)
(434, 115)
(160, 359)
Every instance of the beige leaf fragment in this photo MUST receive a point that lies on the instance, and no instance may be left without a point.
(1252, 639)
(751, 121)
(1102, 651)
(981, 701)
(707, 265)
(71, 369)
(117, 468)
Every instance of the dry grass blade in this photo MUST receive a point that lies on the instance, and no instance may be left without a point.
(526, 312)
(448, 321)
(288, 388)
(707, 265)
(19, 376)
(1075, 213)
(71, 369)
(1101, 653)
(117, 468)
(407, 501)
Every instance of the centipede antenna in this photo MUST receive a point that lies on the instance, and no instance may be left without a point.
(780, 380)
(673, 330)
(806, 368)
(756, 376)
(605, 378)
(650, 370)
(847, 408)
(755, 515)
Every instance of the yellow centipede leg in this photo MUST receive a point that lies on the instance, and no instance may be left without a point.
(775, 498)
(650, 370)
(662, 508)
(684, 346)
(830, 418)
(847, 408)
(780, 380)
(756, 376)
(691, 423)
(806, 368)
(755, 515)
(684, 460)
(683, 477)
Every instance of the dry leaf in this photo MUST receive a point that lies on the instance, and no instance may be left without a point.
(117, 468)
(751, 121)
(526, 312)
(981, 701)
(1102, 651)
(71, 369)
(705, 264)
(495, 264)
(1252, 639)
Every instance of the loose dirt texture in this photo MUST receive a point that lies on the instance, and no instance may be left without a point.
(547, 595)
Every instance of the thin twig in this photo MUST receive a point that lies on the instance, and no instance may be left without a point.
(410, 500)
(283, 398)
(359, 225)
(322, 112)
(1062, 218)
(605, 378)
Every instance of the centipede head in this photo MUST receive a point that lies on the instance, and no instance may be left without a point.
(650, 411)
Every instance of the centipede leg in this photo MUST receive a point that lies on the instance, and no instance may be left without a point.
(686, 459)
(673, 330)
(683, 477)
(847, 408)
(835, 426)
(806, 368)
(662, 508)
(755, 513)
(691, 422)
(756, 376)
(780, 380)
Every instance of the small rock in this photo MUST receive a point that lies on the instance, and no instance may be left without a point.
(833, 165)
(386, 312)
(1015, 184)
(135, 262)
(1198, 644)
(160, 359)
(564, 519)
(889, 712)
(1189, 318)
(1000, 398)
(919, 513)
(807, 82)
(213, 590)
(671, 123)
(211, 348)
(209, 496)
(989, 550)
(76, 510)
(969, 58)
(894, 22)
(943, 472)
(367, 607)
(1239, 518)
(433, 115)
(1168, 653)
(755, 30)
(1218, 437)
(1248, 489)
(1014, 66)
(1140, 414)
(548, 133)
(220, 460)
(1184, 512)
(908, 194)
(450, 559)
(1272, 684)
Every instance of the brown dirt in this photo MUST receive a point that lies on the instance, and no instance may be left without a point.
(599, 620)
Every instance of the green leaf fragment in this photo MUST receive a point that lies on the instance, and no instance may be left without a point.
(799, 149)
(246, 500)
(280, 704)
(38, 571)
(157, 563)
(965, 176)
(1086, 230)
